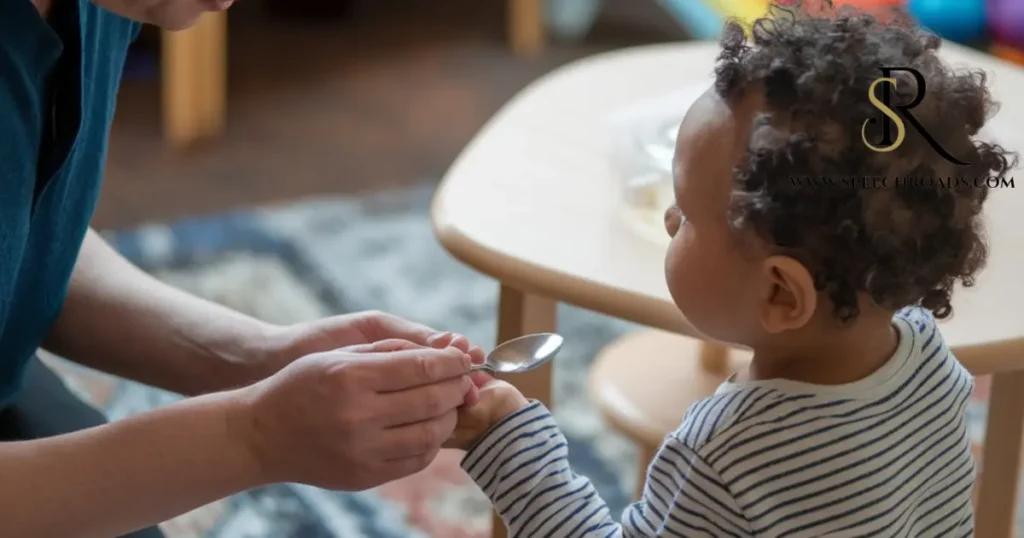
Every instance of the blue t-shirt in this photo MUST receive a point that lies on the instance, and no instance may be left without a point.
(58, 81)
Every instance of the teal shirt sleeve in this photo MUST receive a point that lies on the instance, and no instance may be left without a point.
(58, 90)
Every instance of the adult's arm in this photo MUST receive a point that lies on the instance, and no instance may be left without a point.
(339, 420)
(120, 320)
(113, 479)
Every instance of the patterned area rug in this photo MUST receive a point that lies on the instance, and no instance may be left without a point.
(327, 256)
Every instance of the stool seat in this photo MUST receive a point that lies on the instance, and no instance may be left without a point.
(644, 382)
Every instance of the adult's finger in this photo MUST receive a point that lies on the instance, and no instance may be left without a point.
(421, 403)
(382, 346)
(401, 370)
(383, 326)
(472, 396)
(441, 339)
(417, 439)
(460, 342)
(476, 354)
(481, 378)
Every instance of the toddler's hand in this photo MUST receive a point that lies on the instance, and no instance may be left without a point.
(497, 400)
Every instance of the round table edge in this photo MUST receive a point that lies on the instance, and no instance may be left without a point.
(556, 285)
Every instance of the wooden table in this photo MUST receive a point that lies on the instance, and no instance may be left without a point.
(534, 202)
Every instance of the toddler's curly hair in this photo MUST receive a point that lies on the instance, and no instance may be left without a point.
(901, 245)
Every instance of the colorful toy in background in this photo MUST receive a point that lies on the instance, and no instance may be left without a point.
(869, 5)
(967, 21)
(1006, 23)
(878, 7)
(746, 11)
(964, 21)
(956, 20)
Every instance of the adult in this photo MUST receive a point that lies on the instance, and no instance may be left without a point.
(347, 402)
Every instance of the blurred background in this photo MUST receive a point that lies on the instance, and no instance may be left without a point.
(342, 96)
(337, 96)
(309, 196)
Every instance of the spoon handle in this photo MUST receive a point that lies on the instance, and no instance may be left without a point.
(483, 366)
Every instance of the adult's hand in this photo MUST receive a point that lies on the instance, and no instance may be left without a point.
(345, 420)
(286, 344)
(351, 419)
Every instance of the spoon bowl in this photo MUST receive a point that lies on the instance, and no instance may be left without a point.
(521, 354)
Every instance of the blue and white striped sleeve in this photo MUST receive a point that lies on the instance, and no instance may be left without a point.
(522, 466)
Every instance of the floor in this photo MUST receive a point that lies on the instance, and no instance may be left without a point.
(386, 96)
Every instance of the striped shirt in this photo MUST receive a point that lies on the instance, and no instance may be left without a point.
(885, 456)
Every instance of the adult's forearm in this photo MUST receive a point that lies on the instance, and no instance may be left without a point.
(120, 320)
(109, 480)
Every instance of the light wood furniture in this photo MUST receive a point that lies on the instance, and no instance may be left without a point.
(194, 80)
(526, 33)
(534, 202)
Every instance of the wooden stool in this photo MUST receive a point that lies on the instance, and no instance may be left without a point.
(644, 382)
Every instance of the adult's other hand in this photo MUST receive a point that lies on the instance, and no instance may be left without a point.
(355, 418)
(286, 344)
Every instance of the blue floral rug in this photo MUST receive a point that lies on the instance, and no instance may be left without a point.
(327, 256)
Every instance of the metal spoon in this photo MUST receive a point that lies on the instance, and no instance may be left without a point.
(521, 354)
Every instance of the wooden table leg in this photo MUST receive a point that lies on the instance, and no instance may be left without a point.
(996, 501)
(519, 314)
(644, 458)
(526, 26)
(194, 80)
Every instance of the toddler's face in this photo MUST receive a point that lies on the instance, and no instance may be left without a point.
(724, 282)
(710, 281)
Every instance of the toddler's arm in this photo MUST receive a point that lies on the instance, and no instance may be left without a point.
(522, 466)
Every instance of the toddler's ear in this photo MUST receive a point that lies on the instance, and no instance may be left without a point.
(790, 298)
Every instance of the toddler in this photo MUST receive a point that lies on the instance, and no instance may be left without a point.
(850, 419)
